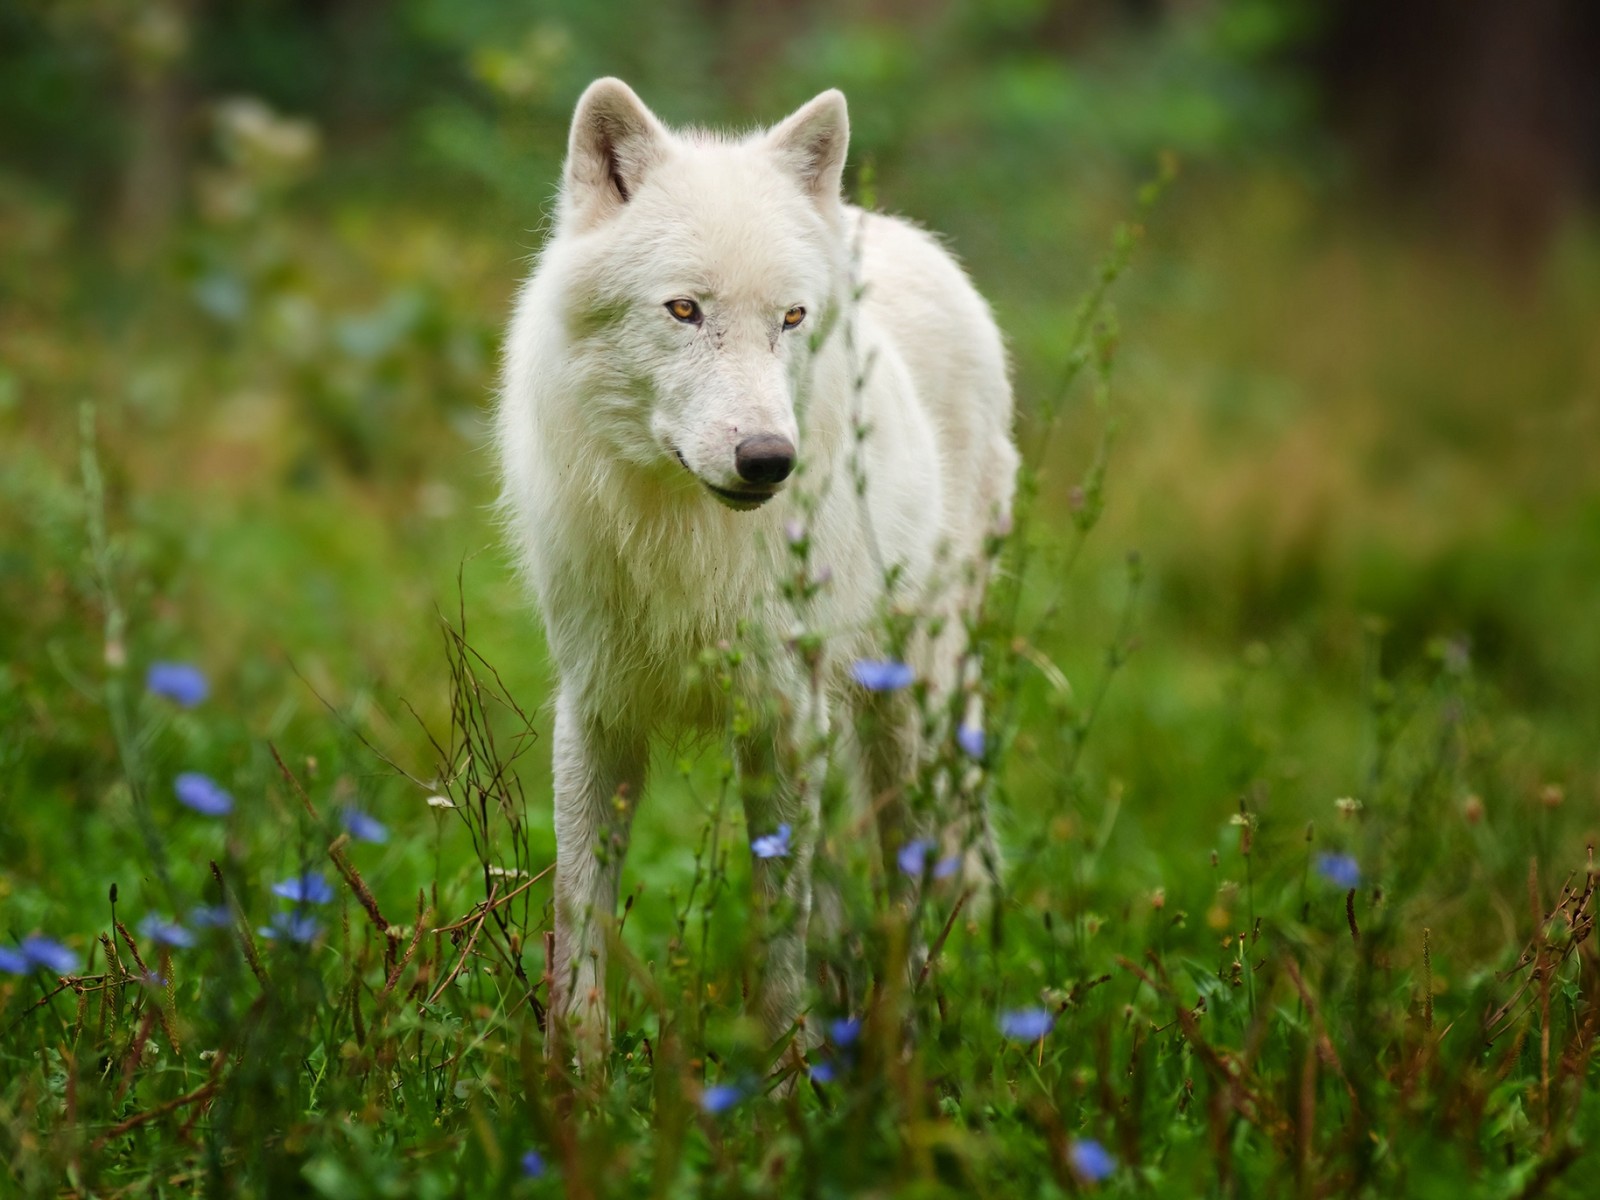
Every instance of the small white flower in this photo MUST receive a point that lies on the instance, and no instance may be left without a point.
(440, 802)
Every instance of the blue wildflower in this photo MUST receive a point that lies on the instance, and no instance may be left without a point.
(1090, 1160)
(165, 933)
(309, 888)
(291, 926)
(914, 855)
(845, 1031)
(203, 794)
(51, 955)
(825, 1071)
(772, 845)
(210, 916)
(533, 1164)
(1026, 1024)
(181, 682)
(363, 827)
(35, 952)
(720, 1097)
(1341, 870)
(882, 675)
(970, 738)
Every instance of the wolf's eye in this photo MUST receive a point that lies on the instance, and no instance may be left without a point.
(686, 311)
(793, 317)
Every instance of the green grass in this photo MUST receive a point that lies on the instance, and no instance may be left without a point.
(1356, 580)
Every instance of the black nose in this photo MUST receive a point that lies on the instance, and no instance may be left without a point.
(765, 458)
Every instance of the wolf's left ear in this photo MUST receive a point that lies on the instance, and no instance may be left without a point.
(812, 143)
(615, 142)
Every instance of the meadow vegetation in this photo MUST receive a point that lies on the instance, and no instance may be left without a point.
(1291, 667)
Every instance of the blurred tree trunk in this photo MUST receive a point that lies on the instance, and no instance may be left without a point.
(754, 34)
(363, 31)
(153, 45)
(751, 35)
(1487, 110)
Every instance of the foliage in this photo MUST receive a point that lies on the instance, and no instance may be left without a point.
(1297, 801)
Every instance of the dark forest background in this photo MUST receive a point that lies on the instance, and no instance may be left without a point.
(1339, 422)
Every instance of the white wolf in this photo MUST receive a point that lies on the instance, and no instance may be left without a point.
(714, 358)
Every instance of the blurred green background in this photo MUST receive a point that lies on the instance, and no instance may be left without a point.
(272, 244)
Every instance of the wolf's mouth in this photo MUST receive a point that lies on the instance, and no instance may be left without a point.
(742, 500)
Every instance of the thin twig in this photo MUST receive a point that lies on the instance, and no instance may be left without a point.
(466, 951)
(203, 1092)
(944, 934)
(506, 899)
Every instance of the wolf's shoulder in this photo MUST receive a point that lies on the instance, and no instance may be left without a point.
(894, 231)
(918, 293)
(903, 253)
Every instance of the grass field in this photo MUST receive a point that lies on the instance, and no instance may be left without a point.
(1294, 749)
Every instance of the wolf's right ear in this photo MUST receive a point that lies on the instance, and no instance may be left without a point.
(615, 142)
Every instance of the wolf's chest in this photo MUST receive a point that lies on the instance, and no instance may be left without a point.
(656, 630)
(685, 597)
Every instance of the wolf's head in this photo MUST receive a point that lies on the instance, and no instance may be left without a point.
(703, 269)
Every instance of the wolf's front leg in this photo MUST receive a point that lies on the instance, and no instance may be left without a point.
(781, 785)
(887, 731)
(599, 776)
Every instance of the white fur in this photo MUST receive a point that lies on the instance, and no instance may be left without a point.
(616, 420)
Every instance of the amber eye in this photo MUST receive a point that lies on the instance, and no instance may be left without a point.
(685, 310)
(793, 317)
